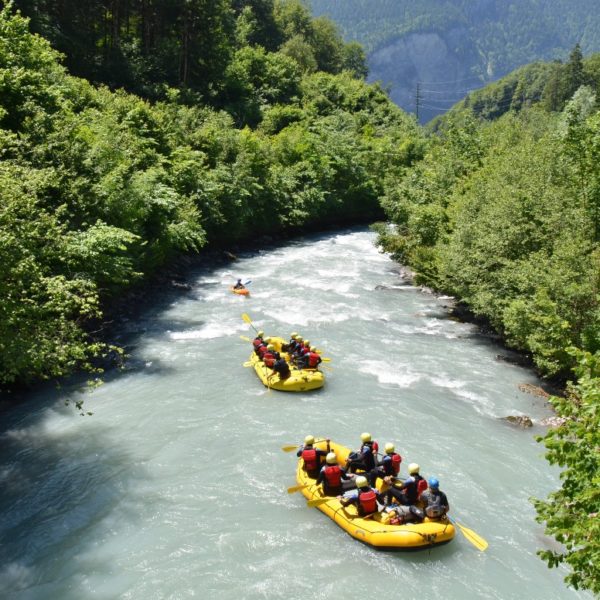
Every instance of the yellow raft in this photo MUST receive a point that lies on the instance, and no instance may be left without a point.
(371, 530)
(300, 380)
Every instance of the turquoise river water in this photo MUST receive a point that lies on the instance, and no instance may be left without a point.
(175, 487)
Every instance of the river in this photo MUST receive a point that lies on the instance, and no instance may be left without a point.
(175, 487)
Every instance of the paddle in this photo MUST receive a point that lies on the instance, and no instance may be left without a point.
(245, 338)
(247, 364)
(297, 488)
(318, 502)
(249, 321)
(249, 281)
(473, 537)
(291, 448)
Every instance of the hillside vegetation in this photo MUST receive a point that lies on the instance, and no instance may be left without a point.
(101, 188)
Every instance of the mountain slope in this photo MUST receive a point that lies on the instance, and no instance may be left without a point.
(452, 47)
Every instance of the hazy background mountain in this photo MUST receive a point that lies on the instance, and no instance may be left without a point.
(450, 47)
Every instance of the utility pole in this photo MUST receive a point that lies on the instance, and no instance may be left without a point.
(418, 98)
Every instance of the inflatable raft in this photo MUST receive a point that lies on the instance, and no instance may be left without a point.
(373, 530)
(300, 380)
(240, 292)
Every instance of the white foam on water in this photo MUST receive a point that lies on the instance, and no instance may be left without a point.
(388, 374)
(207, 332)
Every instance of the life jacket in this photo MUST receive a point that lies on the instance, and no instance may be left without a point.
(396, 460)
(262, 350)
(333, 476)
(421, 485)
(391, 463)
(256, 342)
(367, 502)
(434, 507)
(269, 359)
(309, 456)
(313, 360)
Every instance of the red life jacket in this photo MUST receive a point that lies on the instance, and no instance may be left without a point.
(313, 360)
(269, 359)
(396, 460)
(421, 486)
(262, 350)
(333, 475)
(256, 342)
(375, 447)
(309, 456)
(367, 502)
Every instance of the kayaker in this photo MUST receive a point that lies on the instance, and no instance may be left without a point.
(364, 497)
(365, 458)
(408, 493)
(335, 480)
(280, 366)
(436, 502)
(389, 466)
(311, 456)
(239, 285)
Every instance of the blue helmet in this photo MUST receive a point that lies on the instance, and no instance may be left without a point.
(434, 483)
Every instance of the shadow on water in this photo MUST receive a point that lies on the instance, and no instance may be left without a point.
(58, 484)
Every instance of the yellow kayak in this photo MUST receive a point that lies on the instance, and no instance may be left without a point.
(300, 380)
(374, 531)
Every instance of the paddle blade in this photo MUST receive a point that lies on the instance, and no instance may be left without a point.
(247, 318)
(296, 488)
(249, 281)
(326, 359)
(245, 338)
(289, 448)
(247, 364)
(473, 537)
(318, 502)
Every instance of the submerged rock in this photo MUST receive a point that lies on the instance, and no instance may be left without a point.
(519, 420)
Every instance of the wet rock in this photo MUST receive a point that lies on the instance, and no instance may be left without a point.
(519, 420)
(180, 285)
(553, 421)
(230, 255)
(534, 390)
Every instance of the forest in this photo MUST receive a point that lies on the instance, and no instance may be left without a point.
(133, 131)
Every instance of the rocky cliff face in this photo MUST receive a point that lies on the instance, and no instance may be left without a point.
(443, 65)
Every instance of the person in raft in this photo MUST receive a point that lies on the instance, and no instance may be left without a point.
(291, 345)
(365, 497)
(334, 479)
(270, 356)
(408, 493)
(281, 367)
(389, 466)
(435, 501)
(365, 458)
(311, 360)
(311, 456)
(239, 285)
(258, 340)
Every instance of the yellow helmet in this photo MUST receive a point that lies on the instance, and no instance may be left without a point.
(365, 437)
(313, 349)
(294, 335)
(270, 347)
(389, 448)
(361, 481)
(309, 440)
(331, 458)
(260, 334)
(298, 338)
(413, 469)
(268, 340)
(306, 343)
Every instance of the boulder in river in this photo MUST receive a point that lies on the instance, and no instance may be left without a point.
(519, 420)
